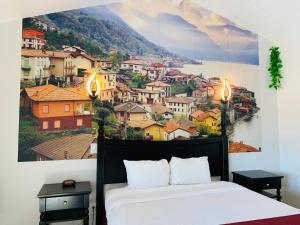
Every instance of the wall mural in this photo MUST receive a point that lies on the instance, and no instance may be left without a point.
(160, 68)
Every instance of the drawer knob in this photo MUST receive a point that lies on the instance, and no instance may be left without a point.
(65, 203)
(268, 185)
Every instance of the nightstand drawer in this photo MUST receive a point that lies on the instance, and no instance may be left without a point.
(65, 202)
(262, 184)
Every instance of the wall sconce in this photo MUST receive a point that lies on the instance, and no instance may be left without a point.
(93, 86)
(225, 97)
(225, 91)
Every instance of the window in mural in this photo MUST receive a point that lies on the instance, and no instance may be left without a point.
(160, 68)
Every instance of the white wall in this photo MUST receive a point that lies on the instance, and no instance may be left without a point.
(20, 182)
(289, 123)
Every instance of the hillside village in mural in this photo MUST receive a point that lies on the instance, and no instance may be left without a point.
(144, 93)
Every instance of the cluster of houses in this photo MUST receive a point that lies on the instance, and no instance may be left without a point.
(152, 109)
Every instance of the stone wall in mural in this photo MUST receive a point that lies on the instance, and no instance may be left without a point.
(160, 68)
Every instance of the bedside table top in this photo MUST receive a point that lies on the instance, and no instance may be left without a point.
(56, 190)
(257, 174)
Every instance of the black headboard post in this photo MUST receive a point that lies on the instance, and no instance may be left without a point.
(225, 174)
(224, 107)
(100, 175)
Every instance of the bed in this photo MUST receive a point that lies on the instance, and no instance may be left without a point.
(219, 202)
(204, 204)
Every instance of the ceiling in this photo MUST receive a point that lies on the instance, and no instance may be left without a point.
(269, 18)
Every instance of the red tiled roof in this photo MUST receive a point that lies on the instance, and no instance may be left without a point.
(157, 65)
(33, 33)
(171, 126)
(129, 107)
(158, 108)
(173, 73)
(158, 84)
(87, 56)
(72, 147)
(33, 53)
(122, 87)
(200, 115)
(143, 123)
(186, 124)
(58, 54)
(239, 147)
(184, 100)
(54, 93)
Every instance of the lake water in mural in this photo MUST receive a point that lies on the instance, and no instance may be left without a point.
(159, 67)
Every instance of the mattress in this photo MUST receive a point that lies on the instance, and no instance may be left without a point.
(108, 187)
(203, 204)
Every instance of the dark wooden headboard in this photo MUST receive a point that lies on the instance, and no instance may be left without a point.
(111, 153)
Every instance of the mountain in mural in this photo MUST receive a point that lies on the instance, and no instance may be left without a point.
(98, 27)
(189, 30)
(178, 36)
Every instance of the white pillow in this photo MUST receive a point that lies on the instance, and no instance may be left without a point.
(189, 171)
(145, 174)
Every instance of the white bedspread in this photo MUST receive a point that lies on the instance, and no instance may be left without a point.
(205, 204)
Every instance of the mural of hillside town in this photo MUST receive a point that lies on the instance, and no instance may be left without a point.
(160, 67)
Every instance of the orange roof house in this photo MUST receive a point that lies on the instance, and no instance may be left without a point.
(188, 125)
(130, 111)
(174, 130)
(206, 120)
(122, 93)
(104, 63)
(53, 93)
(200, 115)
(58, 108)
(141, 123)
(181, 106)
(152, 130)
(160, 86)
(33, 39)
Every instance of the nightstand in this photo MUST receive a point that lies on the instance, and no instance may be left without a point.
(259, 180)
(58, 204)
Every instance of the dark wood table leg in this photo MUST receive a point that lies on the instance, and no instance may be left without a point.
(42, 217)
(86, 217)
(43, 223)
(278, 194)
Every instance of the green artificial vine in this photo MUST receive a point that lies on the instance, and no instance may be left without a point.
(275, 68)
